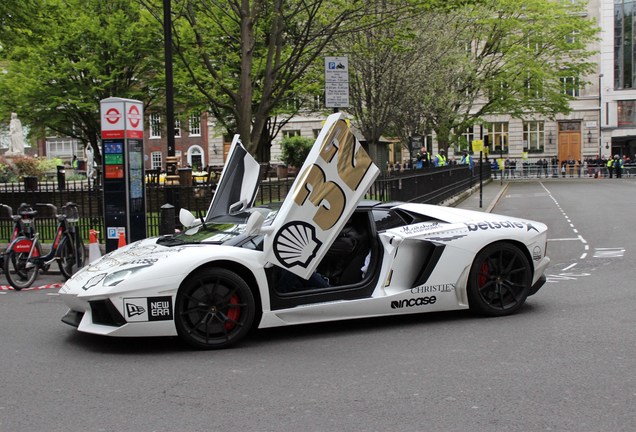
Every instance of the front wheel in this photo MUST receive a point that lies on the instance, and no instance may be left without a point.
(500, 279)
(70, 258)
(19, 271)
(215, 308)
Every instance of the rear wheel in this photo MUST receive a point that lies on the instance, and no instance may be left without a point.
(215, 308)
(19, 272)
(70, 261)
(499, 281)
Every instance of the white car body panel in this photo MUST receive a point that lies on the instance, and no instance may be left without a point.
(420, 267)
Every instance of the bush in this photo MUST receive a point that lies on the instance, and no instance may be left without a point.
(8, 172)
(28, 167)
(294, 150)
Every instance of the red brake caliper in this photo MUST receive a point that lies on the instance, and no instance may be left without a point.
(483, 274)
(233, 312)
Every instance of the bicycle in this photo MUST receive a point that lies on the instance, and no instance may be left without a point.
(22, 224)
(24, 259)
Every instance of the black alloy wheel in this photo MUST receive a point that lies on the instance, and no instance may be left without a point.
(214, 309)
(499, 281)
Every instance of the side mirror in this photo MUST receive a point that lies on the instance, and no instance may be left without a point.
(254, 225)
(186, 218)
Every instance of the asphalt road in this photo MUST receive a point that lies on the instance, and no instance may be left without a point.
(565, 362)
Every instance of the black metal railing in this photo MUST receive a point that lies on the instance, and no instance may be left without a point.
(429, 185)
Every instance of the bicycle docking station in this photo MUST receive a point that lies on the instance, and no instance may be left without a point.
(123, 169)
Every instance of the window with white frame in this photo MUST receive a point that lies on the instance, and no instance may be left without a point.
(155, 160)
(533, 136)
(571, 86)
(498, 137)
(155, 126)
(177, 128)
(467, 138)
(291, 133)
(194, 124)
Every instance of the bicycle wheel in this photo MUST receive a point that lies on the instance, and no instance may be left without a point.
(15, 268)
(68, 260)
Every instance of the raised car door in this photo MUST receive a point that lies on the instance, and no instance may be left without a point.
(238, 183)
(335, 177)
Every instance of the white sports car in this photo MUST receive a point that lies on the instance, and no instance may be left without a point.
(324, 254)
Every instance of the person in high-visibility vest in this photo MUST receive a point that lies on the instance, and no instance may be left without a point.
(610, 166)
(440, 159)
(468, 160)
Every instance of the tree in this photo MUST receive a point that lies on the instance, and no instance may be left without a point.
(505, 57)
(86, 50)
(249, 57)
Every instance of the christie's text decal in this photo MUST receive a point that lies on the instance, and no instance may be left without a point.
(492, 225)
(148, 309)
(417, 301)
(449, 287)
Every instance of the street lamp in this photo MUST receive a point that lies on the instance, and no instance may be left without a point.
(600, 115)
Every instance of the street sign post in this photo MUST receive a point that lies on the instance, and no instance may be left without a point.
(336, 82)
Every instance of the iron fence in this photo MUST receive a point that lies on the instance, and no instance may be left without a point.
(429, 185)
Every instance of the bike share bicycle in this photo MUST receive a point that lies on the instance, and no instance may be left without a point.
(24, 259)
(22, 224)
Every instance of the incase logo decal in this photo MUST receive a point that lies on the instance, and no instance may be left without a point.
(419, 301)
(148, 309)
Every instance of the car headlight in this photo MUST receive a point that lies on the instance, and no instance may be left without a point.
(93, 281)
(121, 275)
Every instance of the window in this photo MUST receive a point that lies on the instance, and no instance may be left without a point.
(626, 113)
(533, 87)
(194, 124)
(533, 136)
(316, 132)
(155, 126)
(624, 73)
(291, 133)
(177, 128)
(466, 139)
(155, 160)
(386, 219)
(571, 86)
(498, 137)
(63, 148)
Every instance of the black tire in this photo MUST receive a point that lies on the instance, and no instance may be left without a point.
(16, 271)
(215, 309)
(69, 262)
(499, 281)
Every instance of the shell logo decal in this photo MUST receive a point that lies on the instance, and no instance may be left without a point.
(296, 244)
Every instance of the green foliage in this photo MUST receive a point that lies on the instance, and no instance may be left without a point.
(7, 174)
(26, 166)
(294, 150)
(79, 52)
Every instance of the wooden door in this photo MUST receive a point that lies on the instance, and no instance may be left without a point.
(569, 146)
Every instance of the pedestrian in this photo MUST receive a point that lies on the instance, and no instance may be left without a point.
(494, 167)
(440, 159)
(423, 158)
(467, 159)
(618, 166)
(610, 167)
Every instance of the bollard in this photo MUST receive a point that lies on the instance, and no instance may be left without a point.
(166, 219)
(61, 177)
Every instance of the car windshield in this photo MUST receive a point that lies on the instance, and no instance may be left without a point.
(218, 230)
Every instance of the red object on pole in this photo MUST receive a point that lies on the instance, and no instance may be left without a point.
(122, 240)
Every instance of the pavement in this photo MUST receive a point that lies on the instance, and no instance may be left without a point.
(477, 198)
(482, 197)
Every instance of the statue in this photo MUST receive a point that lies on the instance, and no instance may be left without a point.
(90, 169)
(16, 141)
